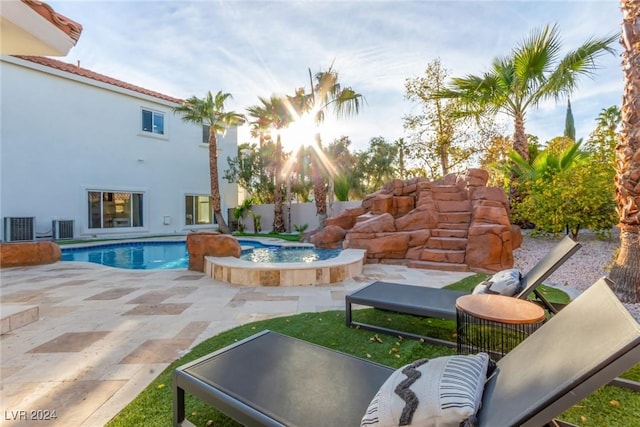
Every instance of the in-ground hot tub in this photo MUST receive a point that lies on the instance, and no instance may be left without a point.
(346, 265)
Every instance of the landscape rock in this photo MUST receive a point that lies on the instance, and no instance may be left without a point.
(383, 246)
(421, 218)
(376, 224)
(345, 219)
(330, 237)
(456, 221)
(202, 244)
(21, 254)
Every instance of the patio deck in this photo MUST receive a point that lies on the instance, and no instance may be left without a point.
(104, 334)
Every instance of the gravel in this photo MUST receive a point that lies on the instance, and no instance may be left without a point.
(591, 262)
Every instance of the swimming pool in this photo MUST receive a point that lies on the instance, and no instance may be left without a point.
(173, 255)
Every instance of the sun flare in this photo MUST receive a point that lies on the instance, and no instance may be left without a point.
(301, 132)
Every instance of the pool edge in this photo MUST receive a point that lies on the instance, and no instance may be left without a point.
(346, 265)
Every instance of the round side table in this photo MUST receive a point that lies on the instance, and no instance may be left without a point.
(494, 324)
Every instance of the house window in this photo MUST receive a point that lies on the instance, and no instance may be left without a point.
(198, 210)
(205, 134)
(153, 122)
(114, 209)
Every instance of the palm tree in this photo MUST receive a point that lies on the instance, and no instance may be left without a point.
(626, 269)
(209, 111)
(533, 72)
(609, 118)
(273, 114)
(326, 94)
(547, 163)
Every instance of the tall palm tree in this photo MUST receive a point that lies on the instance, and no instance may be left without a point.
(209, 111)
(273, 114)
(626, 270)
(533, 72)
(327, 95)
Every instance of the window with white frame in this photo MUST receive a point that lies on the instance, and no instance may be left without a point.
(198, 210)
(152, 122)
(111, 209)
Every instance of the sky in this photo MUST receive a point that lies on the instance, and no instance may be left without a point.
(252, 48)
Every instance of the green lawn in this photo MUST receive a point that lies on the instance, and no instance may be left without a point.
(610, 406)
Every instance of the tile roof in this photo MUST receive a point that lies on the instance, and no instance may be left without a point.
(77, 70)
(64, 24)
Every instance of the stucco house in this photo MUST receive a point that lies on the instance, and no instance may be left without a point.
(86, 155)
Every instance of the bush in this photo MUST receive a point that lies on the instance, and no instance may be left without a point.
(581, 197)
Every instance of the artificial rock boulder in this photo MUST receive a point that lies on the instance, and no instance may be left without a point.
(28, 253)
(200, 245)
(456, 223)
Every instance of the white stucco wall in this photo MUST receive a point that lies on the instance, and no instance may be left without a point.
(62, 135)
(301, 214)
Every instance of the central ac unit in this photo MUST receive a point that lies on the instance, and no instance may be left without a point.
(62, 229)
(19, 229)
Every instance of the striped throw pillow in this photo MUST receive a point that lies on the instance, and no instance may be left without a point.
(445, 391)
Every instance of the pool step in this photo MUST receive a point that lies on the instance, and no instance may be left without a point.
(17, 316)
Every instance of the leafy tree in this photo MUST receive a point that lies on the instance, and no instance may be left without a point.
(250, 170)
(441, 138)
(563, 190)
(210, 111)
(571, 199)
(378, 163)
(348, 173)
(559, 144)
(626, 269)
(494, 160)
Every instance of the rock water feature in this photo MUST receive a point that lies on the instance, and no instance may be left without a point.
(455, 224)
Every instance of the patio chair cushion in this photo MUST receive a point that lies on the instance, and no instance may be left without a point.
(505, 282)
(445, 391)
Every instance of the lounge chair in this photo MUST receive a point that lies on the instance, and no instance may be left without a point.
(441, 303)
(272, 379)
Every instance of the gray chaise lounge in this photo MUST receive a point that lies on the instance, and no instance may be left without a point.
(441, 303)
(272, 379)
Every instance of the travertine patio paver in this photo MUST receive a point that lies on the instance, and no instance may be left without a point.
(104, 334)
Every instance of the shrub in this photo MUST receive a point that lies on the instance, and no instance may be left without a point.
(582, 197)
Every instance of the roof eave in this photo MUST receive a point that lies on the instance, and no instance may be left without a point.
(33, 28)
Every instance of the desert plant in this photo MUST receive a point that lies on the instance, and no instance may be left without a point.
(240, 211)
(257, 225)
(300, 228)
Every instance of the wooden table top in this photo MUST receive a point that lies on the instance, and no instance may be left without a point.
(499, 308)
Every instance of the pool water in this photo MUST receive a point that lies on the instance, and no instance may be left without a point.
(132, 255)
(289, 254)
(173, 255)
